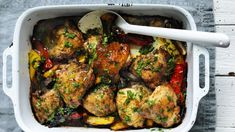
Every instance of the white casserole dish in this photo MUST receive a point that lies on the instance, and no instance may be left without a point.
(19, 91)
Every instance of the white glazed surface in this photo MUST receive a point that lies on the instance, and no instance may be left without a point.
(19, 92)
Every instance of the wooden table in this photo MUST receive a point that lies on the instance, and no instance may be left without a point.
(224, 13)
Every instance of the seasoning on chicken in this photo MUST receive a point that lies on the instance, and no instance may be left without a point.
(128, 104)
(100, 101)
(110, 59)
(161, 106)
(66, 39)
(73, 81)
(153, 68)
(46, 104)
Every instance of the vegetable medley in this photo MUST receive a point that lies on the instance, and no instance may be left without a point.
(106, 79)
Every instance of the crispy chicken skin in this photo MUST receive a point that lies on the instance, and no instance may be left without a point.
(110, 59)
(161, 106)
(100, 101)
(45, 104)
(73, 81)
(66, 40)
(151, 68)
(128, 104)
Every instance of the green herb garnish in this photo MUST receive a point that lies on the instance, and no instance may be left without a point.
(135, 109)
(130, 96)
(68, 44)
(127, 118)
(150, 102)
(146, 49)
(70, 35)
(121, 92)
(141, 64)
(67, 34)
(105, 40)
(76, 84)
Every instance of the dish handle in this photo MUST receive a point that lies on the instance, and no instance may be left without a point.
(8, 90)
(202, 90)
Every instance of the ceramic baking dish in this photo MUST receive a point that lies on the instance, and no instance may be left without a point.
(20, 88)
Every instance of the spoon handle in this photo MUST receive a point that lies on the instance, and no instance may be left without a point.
(200, 38)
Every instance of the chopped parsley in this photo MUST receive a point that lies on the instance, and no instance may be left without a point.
(127, 118)
(101, 95)
(68, 44)
(150, 102)
(169, 98)
(107, 55)
(135, 109)
(155, 58)
(106, 79)
(130, 96)
(162, 119)
(170, 65)
(116, 64)
(121, 92)
(106, 70)
(92, 55)
(68, 35)
(43, 59)
(105, 40)
(39, 103)
(175, 120)
(141, 65)
(146, 49)
(76, 84)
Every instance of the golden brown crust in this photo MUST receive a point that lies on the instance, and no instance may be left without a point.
(128, 104)
(111, 58)
(66, 40)
(151, 68)
(73, 81)
(100, 101)
(161, 106)
(45, 104)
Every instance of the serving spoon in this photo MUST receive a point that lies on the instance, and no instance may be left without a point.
(92, 20)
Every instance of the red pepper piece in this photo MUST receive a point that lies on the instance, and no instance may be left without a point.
(43, 52)
(177, 81)
(75, 115)
(136, 39)
(48, 64)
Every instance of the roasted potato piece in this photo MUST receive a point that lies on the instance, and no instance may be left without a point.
(110, 59)
(66, 40)
(153, 68)
(119, 125)
(128, 104)
(100, 101)
(99, 121)
(46, 104)
(73, 81)
(161, 106)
